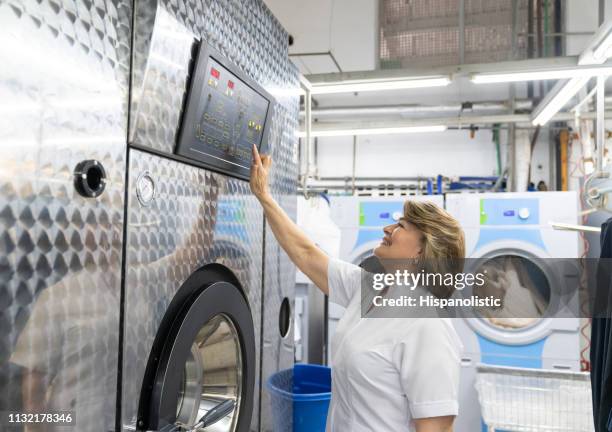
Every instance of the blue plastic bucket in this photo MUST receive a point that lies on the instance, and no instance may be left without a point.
(300, 398)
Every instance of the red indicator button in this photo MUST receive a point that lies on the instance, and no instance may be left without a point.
(230, 84)
(214, 72)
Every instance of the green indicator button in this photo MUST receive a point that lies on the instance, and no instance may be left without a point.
(361, 215)
(483, 214)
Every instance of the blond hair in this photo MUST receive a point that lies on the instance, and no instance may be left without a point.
(442, 242)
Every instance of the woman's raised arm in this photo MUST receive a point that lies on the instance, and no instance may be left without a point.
(310, 259)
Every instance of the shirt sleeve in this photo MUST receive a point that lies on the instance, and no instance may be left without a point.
(429, 364)
(343, 281)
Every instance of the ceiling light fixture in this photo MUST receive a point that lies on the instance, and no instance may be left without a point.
(568, 73)
(597, 51)
(379, 85)
(374, 131)
(556, 99)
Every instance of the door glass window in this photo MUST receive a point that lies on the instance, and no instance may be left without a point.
(212, 378)
(523, 287)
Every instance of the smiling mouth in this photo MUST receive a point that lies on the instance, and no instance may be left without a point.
(385, 242)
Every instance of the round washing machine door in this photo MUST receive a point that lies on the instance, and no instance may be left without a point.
(201, 373)
(531, 285)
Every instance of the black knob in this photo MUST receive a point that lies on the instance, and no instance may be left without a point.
(89, 178)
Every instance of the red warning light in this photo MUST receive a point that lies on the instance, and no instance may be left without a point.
(214, 72)
(230, 85)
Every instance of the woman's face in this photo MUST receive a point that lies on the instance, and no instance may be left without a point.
(402, 240)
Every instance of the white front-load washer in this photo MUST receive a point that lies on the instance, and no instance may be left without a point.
(514, 228)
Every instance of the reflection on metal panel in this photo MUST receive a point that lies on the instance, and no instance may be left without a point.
(63, 99)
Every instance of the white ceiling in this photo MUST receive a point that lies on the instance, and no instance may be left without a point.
(329, 34)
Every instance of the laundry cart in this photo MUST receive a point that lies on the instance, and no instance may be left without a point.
(526, 400)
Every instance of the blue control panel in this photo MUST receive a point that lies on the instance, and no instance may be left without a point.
(520, 211)
(380, 213)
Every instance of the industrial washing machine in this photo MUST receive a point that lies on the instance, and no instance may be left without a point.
(361, 220)
(513, 228)
(140, 288)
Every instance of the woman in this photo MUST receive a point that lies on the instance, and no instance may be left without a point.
(389, 374)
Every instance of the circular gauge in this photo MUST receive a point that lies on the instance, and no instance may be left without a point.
(145, 188)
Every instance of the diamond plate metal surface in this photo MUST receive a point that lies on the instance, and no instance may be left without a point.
(63, 99)
(197, 217)
(250, 37)
(279, 271)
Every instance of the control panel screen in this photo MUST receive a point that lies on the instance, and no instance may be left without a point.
(224, 117)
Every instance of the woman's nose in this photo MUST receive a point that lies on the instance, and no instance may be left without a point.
(389, 229)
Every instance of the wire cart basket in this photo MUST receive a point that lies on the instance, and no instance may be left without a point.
(526, 400)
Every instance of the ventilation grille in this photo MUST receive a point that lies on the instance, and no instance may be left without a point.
(425, 33)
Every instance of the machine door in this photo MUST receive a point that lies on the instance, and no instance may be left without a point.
(201, 371)
(531, 287)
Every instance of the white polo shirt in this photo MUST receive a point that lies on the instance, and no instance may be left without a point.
(387, 371)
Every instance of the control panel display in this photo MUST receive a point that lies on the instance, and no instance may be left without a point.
(224, 117)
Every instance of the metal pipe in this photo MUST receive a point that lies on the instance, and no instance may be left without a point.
(601, 89)
(308, 113)
(413, 178)
(455, 121)
(558, 34)
(546, 18)
(394, 188)
(557, 29)
(511, 150)
(461, 31)
(413, 109)
(530, 42)
(540, 64)
(514, 40)
(354, 160)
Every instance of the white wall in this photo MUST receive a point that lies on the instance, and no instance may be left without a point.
(450, 153)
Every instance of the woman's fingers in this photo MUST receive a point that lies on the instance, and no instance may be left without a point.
(266, 161)
(261, 160)
(256, 157)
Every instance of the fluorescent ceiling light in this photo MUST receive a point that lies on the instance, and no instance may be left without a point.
(379, 85)
(579, 72)
(556, 99)
(374, 131)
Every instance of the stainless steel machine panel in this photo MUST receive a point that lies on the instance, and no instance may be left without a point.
(279, 272)
(249, 36)
(194, 218)
(63, 99)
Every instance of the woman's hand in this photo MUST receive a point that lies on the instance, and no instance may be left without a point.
(259, 174)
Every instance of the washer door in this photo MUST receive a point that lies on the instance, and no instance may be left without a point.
(535, 291)
(202, 366)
